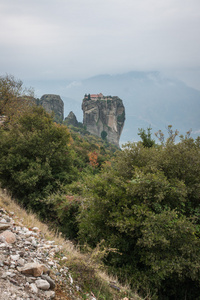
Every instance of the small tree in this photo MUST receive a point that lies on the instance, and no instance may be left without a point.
(145, 135)
(14, 99)
(171, 135)
(104, 135)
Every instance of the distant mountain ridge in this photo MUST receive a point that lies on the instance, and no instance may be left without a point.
(150, 99)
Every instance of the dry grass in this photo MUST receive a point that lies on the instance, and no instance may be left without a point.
(76, 260)
(30, 220)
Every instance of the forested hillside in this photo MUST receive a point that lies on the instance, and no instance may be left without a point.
(139, 206)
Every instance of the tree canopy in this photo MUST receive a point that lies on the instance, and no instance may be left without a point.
(14, 99)
(35, 157)
(147, 206)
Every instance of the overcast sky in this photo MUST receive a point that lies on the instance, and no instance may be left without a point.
(74, 39)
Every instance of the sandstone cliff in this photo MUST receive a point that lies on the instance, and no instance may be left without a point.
(53, 103)
(71, 119)
(104, 116)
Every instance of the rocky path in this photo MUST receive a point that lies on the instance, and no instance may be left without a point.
(29, 267)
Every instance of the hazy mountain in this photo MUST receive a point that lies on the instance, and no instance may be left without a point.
(149, 99)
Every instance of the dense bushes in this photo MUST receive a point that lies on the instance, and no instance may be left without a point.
(35, 158)
(147, 206)
(62, 213)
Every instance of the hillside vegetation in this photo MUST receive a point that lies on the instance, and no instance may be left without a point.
(139, 207)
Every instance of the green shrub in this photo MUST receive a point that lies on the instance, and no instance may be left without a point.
(104, 135)
(121, 117)
(147, 206)
(63, 210)
(35, 158)
(147, 140)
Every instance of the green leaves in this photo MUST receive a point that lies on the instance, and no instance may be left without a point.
(147, 140)
(35, 156)
(147, 206)
(170, 248)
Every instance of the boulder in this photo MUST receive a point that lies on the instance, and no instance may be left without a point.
(42, 284)
(10, 237)
(34, 288)
(50, 281)
(33, 269)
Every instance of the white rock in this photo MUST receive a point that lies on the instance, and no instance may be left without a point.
(34, 233)
(27, 243)
(34, 288)
(71, 279)
(50, 294)
(28, 233)
(4, 226)
(34, 243)
(15, 257)
(42, 284)
(35, 228)
(50, 242)
(6, 274)
(3, 221)
(64, 258)
(46, 246)
(50, 281)
(2, 239)
(21, 262)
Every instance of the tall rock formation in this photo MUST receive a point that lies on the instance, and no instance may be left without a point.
(104, 116)
(71, 119)
(53, 103)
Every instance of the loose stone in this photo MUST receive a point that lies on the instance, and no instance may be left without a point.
(10, 237)
(33, 269)
(42, 284)
(50, 281)
(34, 288)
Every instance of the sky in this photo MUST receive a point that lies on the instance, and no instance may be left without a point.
(76, 39)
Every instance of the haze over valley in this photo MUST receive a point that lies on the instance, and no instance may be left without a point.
(145, 52)
(150, 99)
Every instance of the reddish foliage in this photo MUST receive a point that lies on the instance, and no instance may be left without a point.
(93, 156)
